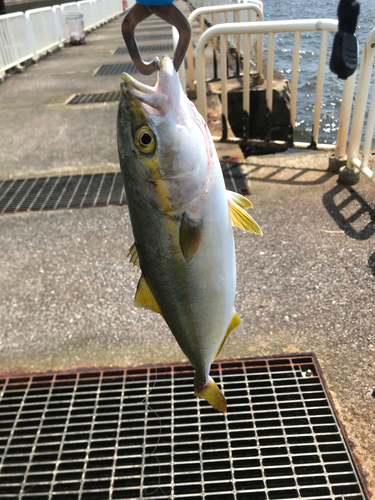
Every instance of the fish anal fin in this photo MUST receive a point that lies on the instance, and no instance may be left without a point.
(144, 296)
(235, 321)
(190, 237)
(133, 254)
(211, 393)
(239, 217)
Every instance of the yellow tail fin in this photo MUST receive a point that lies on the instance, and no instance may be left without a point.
(212, 394)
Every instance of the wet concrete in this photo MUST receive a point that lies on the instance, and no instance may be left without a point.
(66, 287)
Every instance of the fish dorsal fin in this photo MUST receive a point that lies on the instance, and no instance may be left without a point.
(144, 296)
(133, 254)
(238, 216)
(235, 321)
(190, 236)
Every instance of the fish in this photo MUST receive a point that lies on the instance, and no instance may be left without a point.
(182, 219)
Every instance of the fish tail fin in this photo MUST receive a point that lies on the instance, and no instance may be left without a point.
(211, 393)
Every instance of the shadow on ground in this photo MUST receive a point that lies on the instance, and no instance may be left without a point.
(351, 212)
(287, 175)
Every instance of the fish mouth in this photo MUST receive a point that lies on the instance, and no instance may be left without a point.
(153, 100)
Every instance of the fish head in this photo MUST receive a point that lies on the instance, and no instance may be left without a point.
(165, 146)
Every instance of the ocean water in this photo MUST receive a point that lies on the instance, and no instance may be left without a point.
(275, 10)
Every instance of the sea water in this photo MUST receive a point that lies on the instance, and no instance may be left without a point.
(276, 10)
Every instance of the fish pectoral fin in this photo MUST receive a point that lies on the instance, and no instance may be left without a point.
(190, 236)
(238, 216)
(211, 393)
(242, 201)
(133, 254)
(144, 296)
(235, 321)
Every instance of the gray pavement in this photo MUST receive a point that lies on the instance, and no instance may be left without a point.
(66, 287)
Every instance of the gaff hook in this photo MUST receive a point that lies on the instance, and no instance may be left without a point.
(169, 13)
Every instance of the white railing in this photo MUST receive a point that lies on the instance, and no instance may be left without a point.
(363, 92)
(27, 36)
(86, 8)
(39, 22)
(15, 47)
(269, 28)
(236, 10)
(61, 26)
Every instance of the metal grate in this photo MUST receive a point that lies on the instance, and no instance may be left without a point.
(141, 433)
(116, 69)
(233, 177)
(80, 191)
(147, 48)
(153, 37)
(91, 98)
(154, 27)
(70, 191)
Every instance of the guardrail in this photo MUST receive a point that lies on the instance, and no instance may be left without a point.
(235, 10)
(270, 28)
(15, 45)
(25, 36)
(363, 90)
(39, 22)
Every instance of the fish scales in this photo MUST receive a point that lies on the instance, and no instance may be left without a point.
(182, 219)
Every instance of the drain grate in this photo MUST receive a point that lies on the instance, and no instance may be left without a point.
(141, 433)
(147, 48)
(233, 177)
(79, 191)
(154, 37)
(69, 191)
(116, 69)
(154, 27)
(92, 98)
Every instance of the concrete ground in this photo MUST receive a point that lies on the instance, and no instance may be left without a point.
(66, 287)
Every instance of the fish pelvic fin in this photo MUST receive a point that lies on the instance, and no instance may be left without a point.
(144, 296)
(238, 216)
(190, 237)
(211, 393)
(133, 254)
(235, 321)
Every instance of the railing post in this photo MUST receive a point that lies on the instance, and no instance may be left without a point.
(319, 87)
(351, 172)
(338, 159)
(181, 71)
(269, 77)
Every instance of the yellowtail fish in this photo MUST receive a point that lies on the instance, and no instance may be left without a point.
(182, 219)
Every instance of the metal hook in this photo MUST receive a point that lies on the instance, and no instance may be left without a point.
(168, 13)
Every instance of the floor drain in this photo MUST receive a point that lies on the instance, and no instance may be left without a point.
(153, 27)
(93, 98)
(116, 69)
(154, 37)
(80, 191)
(147, 48)
(141, 433)
(70, 191)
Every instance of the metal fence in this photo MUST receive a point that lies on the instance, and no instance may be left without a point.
(25, 36)
(358, 120)
(15, 47)
(231, 13)
(269, 28)
(39, 22)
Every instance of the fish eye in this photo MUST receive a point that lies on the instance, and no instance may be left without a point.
(145, 140)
